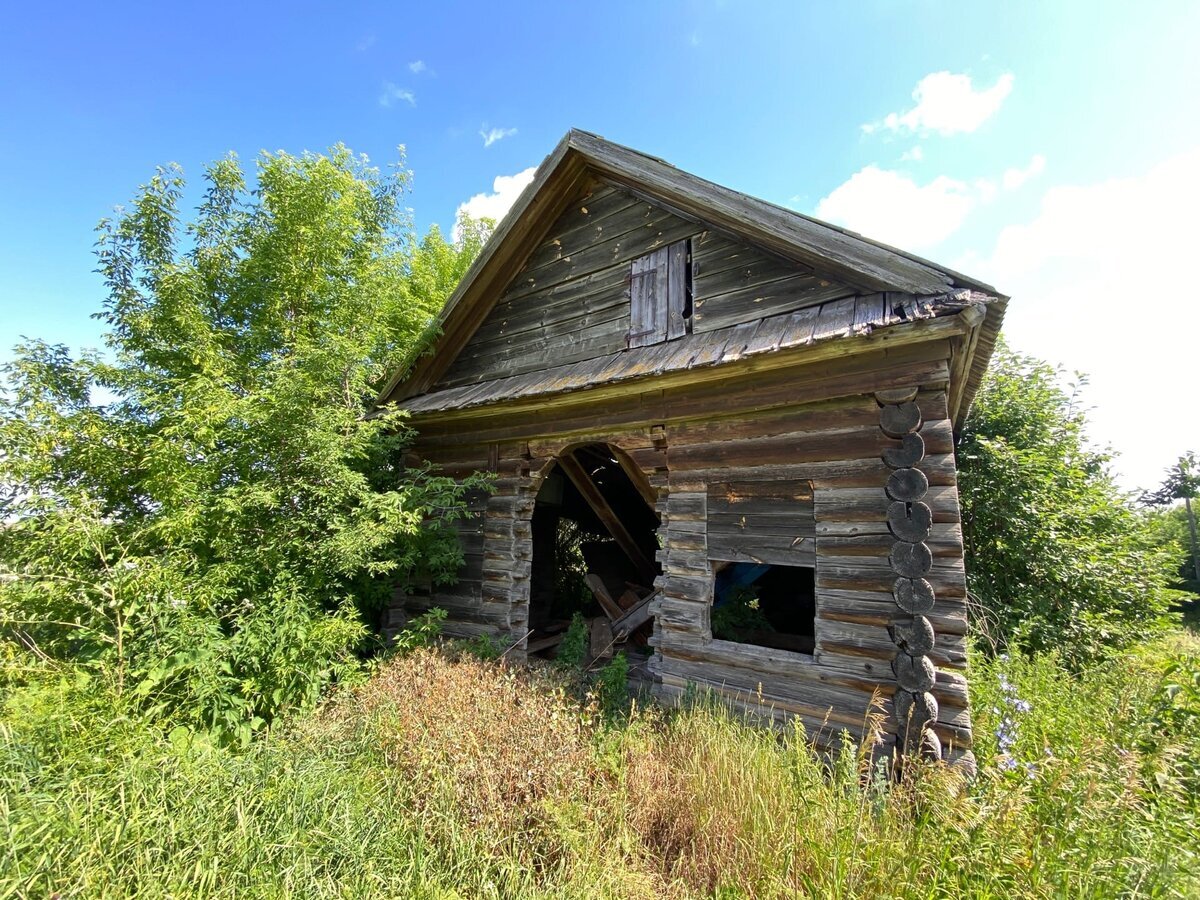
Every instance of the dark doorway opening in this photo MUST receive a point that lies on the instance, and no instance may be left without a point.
(595, 537)
(766, 605)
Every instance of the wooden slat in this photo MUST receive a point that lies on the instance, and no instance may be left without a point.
(595, 499)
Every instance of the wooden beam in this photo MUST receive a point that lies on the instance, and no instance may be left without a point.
(611, 608)
(634, 617)
(584, 484)
(638, 479)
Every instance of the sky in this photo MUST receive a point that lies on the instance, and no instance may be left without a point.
(1051, 149)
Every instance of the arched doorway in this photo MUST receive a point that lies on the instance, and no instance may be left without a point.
(595, 539)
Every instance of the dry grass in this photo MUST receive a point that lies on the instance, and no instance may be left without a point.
(445, 776)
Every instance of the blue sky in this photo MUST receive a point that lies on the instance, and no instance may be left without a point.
(1051, 148)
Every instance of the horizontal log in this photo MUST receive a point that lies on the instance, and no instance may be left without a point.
(877, 643)
(944, 542)
(907, 485)
(880, 607)
(947, 576)
(853, 504)
(915, 638)
(867, 471)
(762, 518)
(910, 560)
(899, 420)
(821, 702)
(914, 673)
(896, 396)
(759, 550)
(745, 494)
(909, 452)
(912, 522)
(822, 734)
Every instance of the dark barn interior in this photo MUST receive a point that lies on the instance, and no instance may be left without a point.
(594, 547)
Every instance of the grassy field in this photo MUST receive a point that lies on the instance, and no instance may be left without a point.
(448, 776)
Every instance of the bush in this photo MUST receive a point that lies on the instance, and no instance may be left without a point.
(205, 512)
(1057, 557)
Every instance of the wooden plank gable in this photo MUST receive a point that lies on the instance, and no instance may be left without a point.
(617, 271)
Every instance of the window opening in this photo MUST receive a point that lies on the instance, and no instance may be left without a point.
(766, 605)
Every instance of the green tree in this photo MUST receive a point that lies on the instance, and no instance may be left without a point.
(207, 533)
(1057, 556)
(1182, 483)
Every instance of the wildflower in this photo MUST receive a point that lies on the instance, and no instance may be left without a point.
(1007, 730)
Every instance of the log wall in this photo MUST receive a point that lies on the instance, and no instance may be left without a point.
(818, 425)
(571, 301)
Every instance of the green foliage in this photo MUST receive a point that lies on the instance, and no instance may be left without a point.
(573, 650)
(1171, 531)
(571, 591)
(1176, 526)
(1057, 556)
(450, 777)
(421, 632)
(611, 686)
(737, 615)
(209, 529)
(1182, 481)
(487, 647)
(1175, 718)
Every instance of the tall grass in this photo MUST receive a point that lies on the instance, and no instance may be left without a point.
(447, 776)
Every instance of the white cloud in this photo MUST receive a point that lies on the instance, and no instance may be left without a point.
(948, 104)
(365, 43)
(916, 154)
(1100, 280)
(417, 66)
(505, 191)
(1014, 178)
(491, 135)
(392, 94)
(893, 208)
(986, 189)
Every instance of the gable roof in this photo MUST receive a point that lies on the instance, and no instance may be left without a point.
(861, 263)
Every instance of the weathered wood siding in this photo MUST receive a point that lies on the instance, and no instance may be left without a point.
(768, 521)
(571, 301)
(815, 424)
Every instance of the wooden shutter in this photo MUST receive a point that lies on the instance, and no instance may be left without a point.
(647, 299)
(658, 295)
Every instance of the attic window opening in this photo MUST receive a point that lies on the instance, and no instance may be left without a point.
(660, 295)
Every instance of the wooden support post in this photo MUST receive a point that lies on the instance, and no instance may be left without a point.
(584, 484)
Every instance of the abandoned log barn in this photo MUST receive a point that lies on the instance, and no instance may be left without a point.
(722, 432)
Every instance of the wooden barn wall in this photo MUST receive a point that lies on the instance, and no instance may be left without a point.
(571, 300)
(817, 424)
